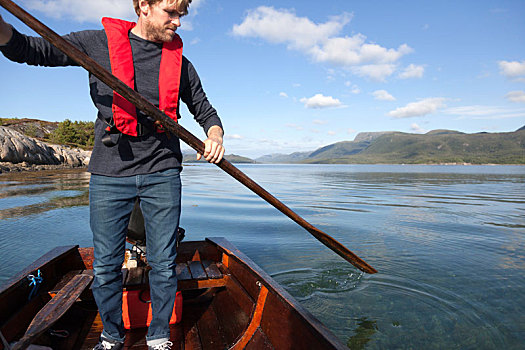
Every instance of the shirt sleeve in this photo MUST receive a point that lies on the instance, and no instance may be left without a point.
(193, 95)
(37, 51)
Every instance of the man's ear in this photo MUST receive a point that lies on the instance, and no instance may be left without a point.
(144, 7)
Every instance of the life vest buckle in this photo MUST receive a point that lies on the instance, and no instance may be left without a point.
(111, 136)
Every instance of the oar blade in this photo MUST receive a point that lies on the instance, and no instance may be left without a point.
(54, 309)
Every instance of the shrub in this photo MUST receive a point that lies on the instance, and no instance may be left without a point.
(77, 133)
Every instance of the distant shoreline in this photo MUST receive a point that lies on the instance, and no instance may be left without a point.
(7, 167)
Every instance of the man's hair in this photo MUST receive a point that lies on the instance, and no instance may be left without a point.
(181, 5)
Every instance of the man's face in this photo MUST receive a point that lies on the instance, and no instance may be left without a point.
(161, 22)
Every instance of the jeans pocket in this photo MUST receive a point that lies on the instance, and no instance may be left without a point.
(169, 172)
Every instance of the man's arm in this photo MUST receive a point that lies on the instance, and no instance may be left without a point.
(6, 32)
(195, 98)
(213, 148)
(35, 50)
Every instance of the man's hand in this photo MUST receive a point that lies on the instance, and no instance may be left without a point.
(6, 32)
(213, 148)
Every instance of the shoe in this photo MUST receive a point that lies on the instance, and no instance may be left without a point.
(105, 344)
(162, 346)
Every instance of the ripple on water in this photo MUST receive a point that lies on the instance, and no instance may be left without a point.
(304, 283)
(447, 313)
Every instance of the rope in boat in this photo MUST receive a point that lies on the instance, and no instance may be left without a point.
(34, 281)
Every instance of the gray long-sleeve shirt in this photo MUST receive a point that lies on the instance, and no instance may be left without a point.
(132, 155)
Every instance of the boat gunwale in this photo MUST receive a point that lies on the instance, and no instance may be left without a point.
(220, 244)
(275, 288)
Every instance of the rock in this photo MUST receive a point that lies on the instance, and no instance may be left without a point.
(17, 148)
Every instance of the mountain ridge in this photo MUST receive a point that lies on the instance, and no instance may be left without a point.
(439, 146)
(435, 147)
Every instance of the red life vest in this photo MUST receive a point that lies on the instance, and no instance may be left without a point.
(121, 58)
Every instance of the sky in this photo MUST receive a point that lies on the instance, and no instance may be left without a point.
(293, 76)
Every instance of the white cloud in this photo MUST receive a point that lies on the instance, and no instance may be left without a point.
(283, 94)
(383, 95)
(321, 101)
(319, 122)
(322, 42)
(82, 10)
(93, 11)
(233, 137)
(294, 126)
(412, 71)
(516, 96)
(187, 21)
(512, 69)
(353, 87)
(377, 72)
(284, 27)
(418, 109)
(332, 133)
(195, 4)
(417, 129)
(479, 112)
(475, 110)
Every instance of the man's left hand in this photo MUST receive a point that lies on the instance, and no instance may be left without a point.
(213, 148)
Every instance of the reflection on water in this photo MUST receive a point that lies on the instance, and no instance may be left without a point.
(30, 193)
(448, 242)
(363, 334)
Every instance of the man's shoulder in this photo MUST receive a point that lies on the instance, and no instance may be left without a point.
(89, 34)
(90, 41)
(186, 63)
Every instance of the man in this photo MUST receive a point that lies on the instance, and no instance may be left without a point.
(133, 157)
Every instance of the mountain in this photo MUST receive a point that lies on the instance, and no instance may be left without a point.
(191, 157)
(390, 147)
(283, 158)
(434, 147)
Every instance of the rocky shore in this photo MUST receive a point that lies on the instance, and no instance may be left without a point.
(19, 152)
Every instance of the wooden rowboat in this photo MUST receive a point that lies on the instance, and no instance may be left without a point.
(229, 302)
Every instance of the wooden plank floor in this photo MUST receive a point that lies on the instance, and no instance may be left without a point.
(199, 328)
(188, 272)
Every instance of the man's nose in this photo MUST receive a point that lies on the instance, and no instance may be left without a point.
(176, 21)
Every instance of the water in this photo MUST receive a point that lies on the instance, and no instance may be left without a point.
(448, 242)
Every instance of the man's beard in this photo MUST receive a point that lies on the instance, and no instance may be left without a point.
(158, 33)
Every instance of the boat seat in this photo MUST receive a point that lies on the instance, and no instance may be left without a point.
(65, 280)
(190, 275)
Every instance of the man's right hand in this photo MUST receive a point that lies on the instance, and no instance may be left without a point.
(6, 31)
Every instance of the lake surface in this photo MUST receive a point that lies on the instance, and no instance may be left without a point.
(448, 242)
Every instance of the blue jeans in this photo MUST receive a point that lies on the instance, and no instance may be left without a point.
(111, 201)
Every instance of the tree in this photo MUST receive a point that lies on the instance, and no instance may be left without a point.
(75, 133)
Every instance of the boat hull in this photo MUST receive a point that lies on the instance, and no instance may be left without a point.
(228, 303)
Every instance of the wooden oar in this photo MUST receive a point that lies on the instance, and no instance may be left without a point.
(54, 309)
(175, 128)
